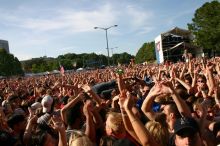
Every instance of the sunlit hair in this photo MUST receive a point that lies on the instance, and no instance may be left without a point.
(116, 122)
(159, 133)
(78, 138)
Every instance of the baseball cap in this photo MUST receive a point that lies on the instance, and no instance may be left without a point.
(36, 105)
(184, 125)
(47, 103)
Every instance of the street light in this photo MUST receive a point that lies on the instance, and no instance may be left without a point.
(113, 49)
(106, 35)
(112, 55)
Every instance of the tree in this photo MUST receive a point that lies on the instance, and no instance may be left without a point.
(72, 61)
(123, 58)
(145, 53)
(206, 26)
(9, 65)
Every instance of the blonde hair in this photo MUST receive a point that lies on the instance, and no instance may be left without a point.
(158, 132)
(78, 138)
(116, 122)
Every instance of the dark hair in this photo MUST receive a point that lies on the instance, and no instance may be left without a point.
(182, 93)
(188, 77)
(74, 113)
(202, 77)
(48, 129)
(15, 119)
(107, 141)
(64, 100)
(39, 138)
(12, 98)
(173, 108)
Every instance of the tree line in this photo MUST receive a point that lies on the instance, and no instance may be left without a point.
(9, 65)
(72, 61)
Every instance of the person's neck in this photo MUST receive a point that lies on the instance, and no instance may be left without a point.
(171, 127)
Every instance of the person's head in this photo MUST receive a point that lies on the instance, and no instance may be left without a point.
(77, 138)
(47, 102)
(106, 141)
(17, 123)
(114, 125)
(182, 93)
(43, 138)
(186, 132)
(14, 101)
(188, 79)
(159, 133)
(75, 116)
(36, 106)
(144, 90)
(172, 113)
(201, 81)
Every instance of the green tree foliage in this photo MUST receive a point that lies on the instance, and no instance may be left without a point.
(206, 26)
(145, 53)
(9, 65)
(123, 58)
(42, 64)
(72, 61)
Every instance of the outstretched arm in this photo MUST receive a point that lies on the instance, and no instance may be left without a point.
(142, 133)
(72, 103)
(183, 108)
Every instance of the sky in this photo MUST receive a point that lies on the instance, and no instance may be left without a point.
(36, 28)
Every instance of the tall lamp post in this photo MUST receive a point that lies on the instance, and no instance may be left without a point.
(112, 54)
(106, 35)
(113, 49)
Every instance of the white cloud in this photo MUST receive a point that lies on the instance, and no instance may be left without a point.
(66, 19)
(37, 28)
(139, 17)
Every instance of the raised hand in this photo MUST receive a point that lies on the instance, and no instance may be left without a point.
(32, 116)
(86, 88)
(87, 108)
(155, 90)
(167, 88)
(128, 102)
(122, 98)
(57, 123)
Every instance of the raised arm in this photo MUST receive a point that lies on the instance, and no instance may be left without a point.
(90, 127)
(183, 108)
(60, 127)
(91, 93)
(209, 69)
(70, 104)
(148, 102)
(125, 118)
(188, 87)
(142, 133)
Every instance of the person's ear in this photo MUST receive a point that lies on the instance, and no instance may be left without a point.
(172, 116)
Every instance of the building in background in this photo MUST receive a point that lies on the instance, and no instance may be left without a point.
(4, 45)
(172, 44)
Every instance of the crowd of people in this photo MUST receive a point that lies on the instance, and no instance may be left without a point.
(170, 104)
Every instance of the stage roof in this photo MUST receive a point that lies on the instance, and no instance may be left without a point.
(178, 31)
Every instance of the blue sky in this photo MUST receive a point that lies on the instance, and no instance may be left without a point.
(35, 28)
